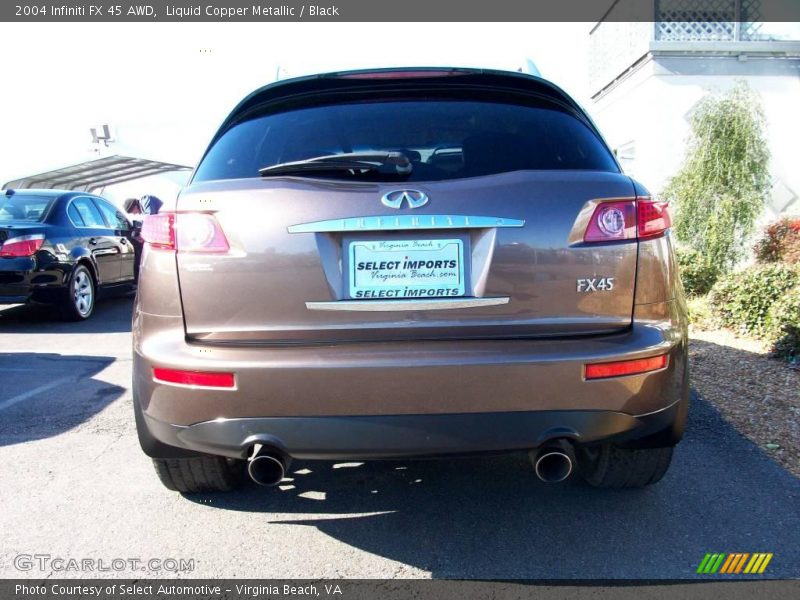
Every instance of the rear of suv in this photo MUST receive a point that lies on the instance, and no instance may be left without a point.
(409, 263)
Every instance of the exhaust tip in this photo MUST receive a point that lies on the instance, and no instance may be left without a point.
(553, 466)
(266, 469)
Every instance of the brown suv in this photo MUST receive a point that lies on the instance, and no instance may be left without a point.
(409, 263)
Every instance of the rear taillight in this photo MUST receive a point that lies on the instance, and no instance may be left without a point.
(626, 220)
(200, 232)
(653, 217)
(184, 232)
(612, 220)
(210, 379)
(22, 246)
(625, 367)
(402, 74)
(159, 231)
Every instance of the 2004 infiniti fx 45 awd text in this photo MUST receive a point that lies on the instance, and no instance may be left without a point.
(409, 263)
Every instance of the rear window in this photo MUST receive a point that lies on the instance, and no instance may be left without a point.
(21, 207)
(444, 139)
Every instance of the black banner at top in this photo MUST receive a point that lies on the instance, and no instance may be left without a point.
(101, 11)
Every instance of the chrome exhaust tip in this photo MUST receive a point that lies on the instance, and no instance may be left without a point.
(267, 468)
(552, 464)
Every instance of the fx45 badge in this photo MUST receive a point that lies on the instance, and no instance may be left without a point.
(598, 284)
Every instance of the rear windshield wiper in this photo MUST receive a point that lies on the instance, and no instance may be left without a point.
(356, 163)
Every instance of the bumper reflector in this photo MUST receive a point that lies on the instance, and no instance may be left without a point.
(625, 367)
(195, 378)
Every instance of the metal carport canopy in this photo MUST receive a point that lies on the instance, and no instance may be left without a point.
(95, 174)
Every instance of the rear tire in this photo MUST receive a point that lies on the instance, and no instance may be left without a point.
(608, 466)
(200, 473)
(77, 303)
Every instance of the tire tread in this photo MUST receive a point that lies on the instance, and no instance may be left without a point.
(619, 468)
(198, 474)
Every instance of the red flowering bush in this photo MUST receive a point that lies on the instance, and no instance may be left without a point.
(780, 242)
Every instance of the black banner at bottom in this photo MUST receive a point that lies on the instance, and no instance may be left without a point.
(392, 589)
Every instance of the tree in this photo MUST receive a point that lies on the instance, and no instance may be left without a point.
(724, 182)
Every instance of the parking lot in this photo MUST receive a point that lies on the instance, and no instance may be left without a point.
(75, 485)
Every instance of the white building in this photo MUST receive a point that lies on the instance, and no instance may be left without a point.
(647, 77)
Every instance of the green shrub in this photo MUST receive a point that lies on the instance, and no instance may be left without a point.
(697, 274)
(780, 242)
(742, 300)
(783, 321)
(701, 316)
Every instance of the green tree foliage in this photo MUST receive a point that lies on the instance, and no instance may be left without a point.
(697, 275)
(724, 182)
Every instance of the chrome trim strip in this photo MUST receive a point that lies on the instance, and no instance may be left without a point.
(392, 223)
(406, 304)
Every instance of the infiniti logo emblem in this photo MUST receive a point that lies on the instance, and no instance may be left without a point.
(395, 199)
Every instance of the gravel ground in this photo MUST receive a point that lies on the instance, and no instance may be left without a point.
(760, 396)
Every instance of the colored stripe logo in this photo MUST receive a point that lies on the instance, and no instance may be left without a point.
(734, 563)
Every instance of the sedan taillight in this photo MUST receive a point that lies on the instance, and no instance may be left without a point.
(21, 246)
(184, 232)
(626, 220)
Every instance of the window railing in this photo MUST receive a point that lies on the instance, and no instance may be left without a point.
(718, 20)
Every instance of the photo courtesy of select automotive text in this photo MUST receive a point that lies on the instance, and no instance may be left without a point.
(370, 300)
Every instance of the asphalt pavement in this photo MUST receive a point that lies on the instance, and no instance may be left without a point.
(75, 485)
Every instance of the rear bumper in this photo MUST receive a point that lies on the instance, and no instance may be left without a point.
(407, 436)
(14, 299)
(20, 286)
(410, 398)
(15, 286)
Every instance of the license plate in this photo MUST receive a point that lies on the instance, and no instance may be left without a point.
(406, 268)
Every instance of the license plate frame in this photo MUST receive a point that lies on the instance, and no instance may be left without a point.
(405, 289)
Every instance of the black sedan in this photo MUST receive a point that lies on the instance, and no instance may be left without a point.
(63, 247)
